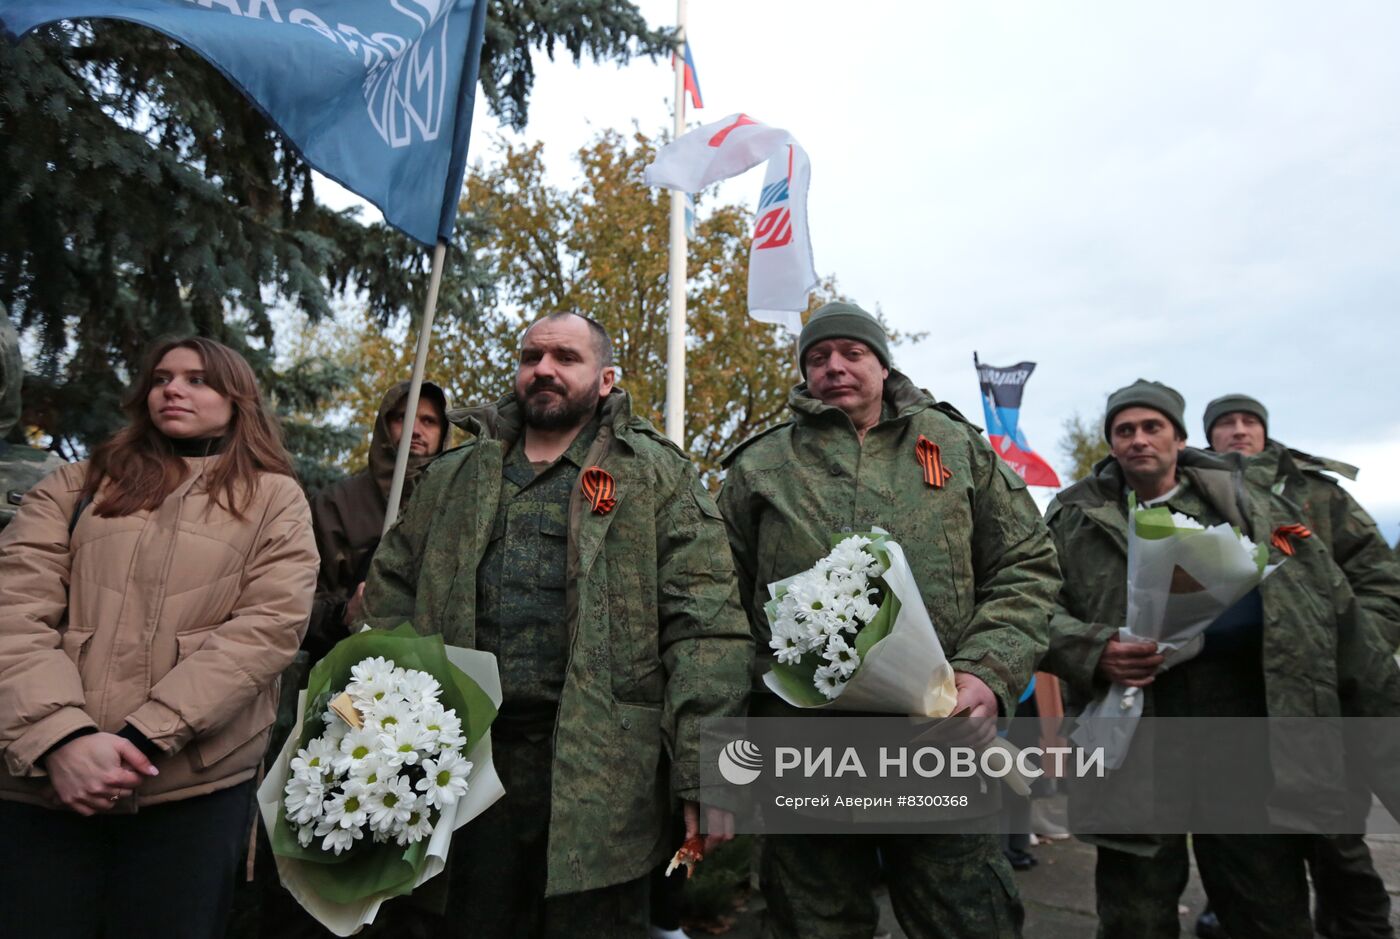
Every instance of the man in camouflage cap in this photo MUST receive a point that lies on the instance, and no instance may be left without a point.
(847, 460)
(1352, 902)
(1296, 646)
(21, 466)
(579, 546)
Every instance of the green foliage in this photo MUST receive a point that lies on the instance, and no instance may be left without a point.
(599, 249)
(141, 195)
(1082, 446)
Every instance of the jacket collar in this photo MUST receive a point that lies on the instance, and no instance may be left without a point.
(901, 396)
(1220, 482)
(505, 419)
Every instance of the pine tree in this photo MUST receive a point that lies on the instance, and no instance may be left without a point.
(141, 195)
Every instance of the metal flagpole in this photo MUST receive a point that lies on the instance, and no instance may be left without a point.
(675, 345)
(410, 406)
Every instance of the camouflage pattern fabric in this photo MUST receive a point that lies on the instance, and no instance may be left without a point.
(979, 551)
(657, 639)
(942, 886)
(1256, 885)
(1336, 518)
(985, 565)
(21, 467)
(1318, 655)
(520, 583)
(1351, 897)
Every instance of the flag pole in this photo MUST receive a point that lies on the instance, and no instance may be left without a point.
(675, 344)
(415, 386)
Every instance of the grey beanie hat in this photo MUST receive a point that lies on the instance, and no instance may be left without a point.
(843, 321)
(1229, 403)
(1146, 394)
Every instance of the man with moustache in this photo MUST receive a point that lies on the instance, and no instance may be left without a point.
(1352, 902)
(577, 545)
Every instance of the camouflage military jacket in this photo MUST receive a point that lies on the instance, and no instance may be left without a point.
(1320, 656)
(1341, 523)
(978, 549)
(657, 638)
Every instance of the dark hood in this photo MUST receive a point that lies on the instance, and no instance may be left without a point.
(382, 451)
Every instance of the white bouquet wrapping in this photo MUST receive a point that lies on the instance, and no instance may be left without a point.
(385, 762)
(1181, 577)
(852, 634)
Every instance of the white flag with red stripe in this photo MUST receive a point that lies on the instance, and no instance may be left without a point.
(781, 272)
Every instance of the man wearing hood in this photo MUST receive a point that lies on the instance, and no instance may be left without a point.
(349, 515)
(1352, 902)
(21, 466)
(864, 448)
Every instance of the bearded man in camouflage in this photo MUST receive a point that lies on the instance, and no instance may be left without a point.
(579, 546)
(848, 460)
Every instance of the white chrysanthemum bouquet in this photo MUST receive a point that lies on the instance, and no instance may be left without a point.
(852, 633)
(391, 754)
(821, 616)
(388, 762)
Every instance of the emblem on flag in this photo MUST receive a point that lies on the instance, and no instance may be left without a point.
(781, 271)
(1001, 406)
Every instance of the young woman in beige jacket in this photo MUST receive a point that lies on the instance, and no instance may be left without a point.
(149, 599)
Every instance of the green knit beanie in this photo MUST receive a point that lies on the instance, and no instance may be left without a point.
(1228, 403)
(1146, 394)
(843, 321)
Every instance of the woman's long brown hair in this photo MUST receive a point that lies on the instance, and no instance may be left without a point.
(139, 463)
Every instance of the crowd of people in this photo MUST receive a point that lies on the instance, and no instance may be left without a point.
(154, 595)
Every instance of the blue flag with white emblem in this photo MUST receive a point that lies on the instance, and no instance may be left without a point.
(376, 94)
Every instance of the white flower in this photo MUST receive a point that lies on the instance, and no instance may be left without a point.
(305, 835)
(849, 557)
(418, 826)
(339, 839)
(304, 799)
(444, 726)
(390, 804)
(355, 748)
(400, 743)
(315, 760)
(828, 681)
(787, 648)
(842, 656)
(444, 780)
(371, 679)
(391, 709)
(419, 686)
(347, 808)
(372, 771)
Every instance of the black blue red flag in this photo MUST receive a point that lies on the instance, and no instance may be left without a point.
(1001, 405)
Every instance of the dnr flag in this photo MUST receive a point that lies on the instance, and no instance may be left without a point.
(1001, 405)
(376, 94)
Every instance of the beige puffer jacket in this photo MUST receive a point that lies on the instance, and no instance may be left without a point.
(178, 621)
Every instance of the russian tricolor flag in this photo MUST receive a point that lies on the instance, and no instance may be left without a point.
(1001, 405)
(692, 78)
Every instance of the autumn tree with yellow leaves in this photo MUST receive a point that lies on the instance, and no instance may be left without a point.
(599, 249)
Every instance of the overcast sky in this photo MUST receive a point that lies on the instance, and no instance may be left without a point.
(1200, 193)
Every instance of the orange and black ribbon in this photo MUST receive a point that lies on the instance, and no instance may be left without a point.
(926, 452)
(599, 489)
(1284, 532)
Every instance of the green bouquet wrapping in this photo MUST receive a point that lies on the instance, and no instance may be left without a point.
(390, 755)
